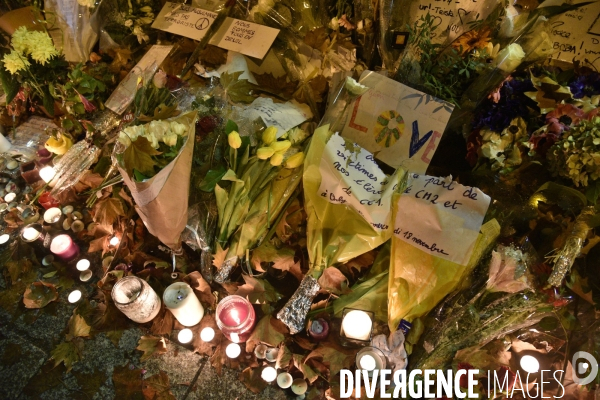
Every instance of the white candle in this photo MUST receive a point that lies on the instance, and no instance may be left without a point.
(357, 325)
(530, 364)
(47, 174)
(185, 335)
(30, 234)
(4, 238)
(4, 144)
(207, 334)
(74, 296)
(114, 241)
(83, 264)
(180, 299)
(269, 374)
(52, 215)
(367, 362)
(10, 197)
(370, 359)
(284, 380)
(233, 350)
(85, 276)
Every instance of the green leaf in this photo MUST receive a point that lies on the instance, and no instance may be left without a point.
(211, 179)
(9, 84)
(593, 191)
(139, 156)
(238, 90)
(66, 353)
(49, 274)
(48, 102)
(78, 327)
(231, 176)
(138, 176)
(231, 126)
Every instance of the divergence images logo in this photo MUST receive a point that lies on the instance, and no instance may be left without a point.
(583, 366)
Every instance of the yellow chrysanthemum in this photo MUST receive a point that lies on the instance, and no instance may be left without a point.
(19, 39)
(15, 62)
(475, 39)
(41, 47)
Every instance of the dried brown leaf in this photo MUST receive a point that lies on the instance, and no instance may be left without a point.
(309, 374)
(251, 378)
(162, 324)
(39, 294)
(219, 256)
(213, 56)
(268, 330)
(128, 382)
(78, 327)
(316, 38)
(108, 210)
(258, 291)
(157, 387)
(151, 345)
(334, 281)
(201, 287)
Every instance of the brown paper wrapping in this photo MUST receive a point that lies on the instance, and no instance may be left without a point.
(14, 19)
(162, 201)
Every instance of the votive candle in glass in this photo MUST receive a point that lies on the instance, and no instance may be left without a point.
(136, 299)
(32, 232)
(235, 318)
(370, 358)
(63, 247)
(180, 299)
(357, 326)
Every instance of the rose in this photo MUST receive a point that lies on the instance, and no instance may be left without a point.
(160, 79)
(509, 58)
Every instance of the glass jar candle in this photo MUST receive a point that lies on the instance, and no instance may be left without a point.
(64, 248)
(136, 299)
(235, 318)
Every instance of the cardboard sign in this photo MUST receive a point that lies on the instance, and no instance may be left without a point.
(440, 217)
(576, 35)
(244, 37)
(350, 175)
(399, 125)
(123, 95)
(283, 116)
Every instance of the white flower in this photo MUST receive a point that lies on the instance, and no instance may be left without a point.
(160, 79)
(355, 88)
(159, 129)
(146, 9)
(19, 39)
(178, 129)
(145, 20)
(141, 36)
(509, 58)
(170, 140)
(152, 139)
(87, 3)
(334, 23)
(134, 131)
(129, 23)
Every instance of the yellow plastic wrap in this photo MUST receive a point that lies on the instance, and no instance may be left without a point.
(418, 280)
(336, 233)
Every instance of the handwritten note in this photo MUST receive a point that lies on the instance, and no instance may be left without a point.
(576, 34)
(123, 95)
(440, 216)
(248, 38)
(398, 124)
(283, 116)
(353, 178)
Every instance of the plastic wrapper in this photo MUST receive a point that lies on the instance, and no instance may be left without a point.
(418, 279)
(293, 314)
(72, 165)
(162, 201)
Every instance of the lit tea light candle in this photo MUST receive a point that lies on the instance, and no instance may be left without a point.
(47, 174)
(136, 299)
(63, 247)
(207, 334)
(52, 215)
(357, 324)
(114, 241)
(85, 276)
(235, 318)
(82, 264)
(233, 350)
(74, 296)
(4, 238)
(32, 232)
(180, 299)
(10, 197)
(370, 358)
(185, 335)
(284, 380)
(530, 364)
(269, 374)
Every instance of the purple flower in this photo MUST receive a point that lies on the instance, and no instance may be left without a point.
(585, 85)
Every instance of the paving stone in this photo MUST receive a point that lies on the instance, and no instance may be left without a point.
(19, 361)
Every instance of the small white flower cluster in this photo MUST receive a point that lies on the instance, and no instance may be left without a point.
(137, 23)
(502, 148)
(25, 43)
(155, 132)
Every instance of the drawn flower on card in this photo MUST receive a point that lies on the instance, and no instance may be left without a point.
(388, 128)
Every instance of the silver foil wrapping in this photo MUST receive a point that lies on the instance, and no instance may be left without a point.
(293, 314)
(224, 272)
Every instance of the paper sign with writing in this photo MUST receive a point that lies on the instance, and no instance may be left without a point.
(350, 176)
(576, 34)
(283, 116)
(440, 216)
(398, 124)
(248, 38)
(123, 95)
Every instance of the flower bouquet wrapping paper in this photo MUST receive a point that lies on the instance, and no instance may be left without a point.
(162, 200)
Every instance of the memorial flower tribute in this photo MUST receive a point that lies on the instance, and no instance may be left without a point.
(313, 194)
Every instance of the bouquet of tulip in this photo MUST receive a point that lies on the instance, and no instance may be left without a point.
(255, 189)
(155, 161)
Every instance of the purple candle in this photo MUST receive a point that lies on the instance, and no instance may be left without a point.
(64, 247)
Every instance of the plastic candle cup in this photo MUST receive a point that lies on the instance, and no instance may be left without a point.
(136, 299)
(52, 215)
(235, 318)
(185, 335)
(180, 299)
(269, 374)
(32, 232)
(74, 296)
(10, 197)
(207, 334)
(4, 238)
(284, 380)
(83, 264)
(233, 350)
(63, 247)
(370, 358)
(85, 276)
(357, 324)
(47, 174)
(299, 386)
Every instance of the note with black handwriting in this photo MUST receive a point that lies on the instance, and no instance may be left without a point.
(350, 176)
(283, 116)
(440, 217)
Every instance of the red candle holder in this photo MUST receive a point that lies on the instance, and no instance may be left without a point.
(235, 318)
(63, 247)
(47, 201)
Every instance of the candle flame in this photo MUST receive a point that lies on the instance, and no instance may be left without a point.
(236, 316)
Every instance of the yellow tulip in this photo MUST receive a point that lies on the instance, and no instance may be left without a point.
(269, 135)
(59, 146)
(264, 153)
(280, 146)
(276, 159)
(294, 161)
(234, 139)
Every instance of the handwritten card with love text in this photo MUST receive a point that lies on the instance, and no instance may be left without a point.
(440, 216)
(401, 126)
